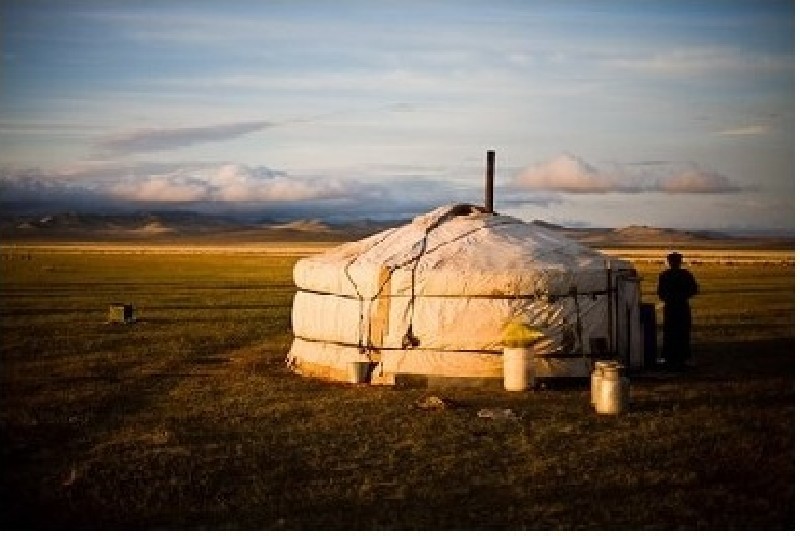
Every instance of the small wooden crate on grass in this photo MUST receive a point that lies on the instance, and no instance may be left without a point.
(121, 313)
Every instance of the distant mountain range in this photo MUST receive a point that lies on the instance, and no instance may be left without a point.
(177, 226)
(193, 227)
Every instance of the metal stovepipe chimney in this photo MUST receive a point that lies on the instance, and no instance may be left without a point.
(489, 200)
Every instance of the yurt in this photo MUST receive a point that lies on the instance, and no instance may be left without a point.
(433, 300)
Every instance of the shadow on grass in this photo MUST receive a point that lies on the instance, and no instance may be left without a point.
(726, 374)
(68, 428)
(767, 358)
(731, 360)
(718, 361)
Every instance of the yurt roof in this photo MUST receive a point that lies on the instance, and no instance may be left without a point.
(459, 250)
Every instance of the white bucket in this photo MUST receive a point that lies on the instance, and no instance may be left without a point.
(515, 369)
(359, 372)
(614, 392)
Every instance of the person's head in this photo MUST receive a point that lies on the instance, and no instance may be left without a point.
(674, 259)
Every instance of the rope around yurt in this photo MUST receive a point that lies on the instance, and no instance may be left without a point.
(409, 339)
(361, 348)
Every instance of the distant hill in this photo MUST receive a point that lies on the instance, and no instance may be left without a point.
(643, 237)
(177, 226)
(639, 235)
(87, 221)
(193, 227)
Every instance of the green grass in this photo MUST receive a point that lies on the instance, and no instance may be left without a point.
(188, 419)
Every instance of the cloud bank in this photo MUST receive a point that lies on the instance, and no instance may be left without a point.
(380, 192)
(226, 188)
(228, 184)
(570, 174)
(565, 173)
(163, 139)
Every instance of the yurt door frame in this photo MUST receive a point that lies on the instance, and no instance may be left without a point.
(628, 329)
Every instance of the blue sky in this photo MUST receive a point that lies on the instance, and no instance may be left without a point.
(665, 113)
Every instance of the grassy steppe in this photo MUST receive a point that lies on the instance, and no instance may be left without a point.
(189, 420)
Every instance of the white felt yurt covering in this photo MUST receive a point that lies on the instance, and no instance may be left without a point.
(432, 299)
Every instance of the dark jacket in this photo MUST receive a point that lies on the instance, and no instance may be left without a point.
(676, 285)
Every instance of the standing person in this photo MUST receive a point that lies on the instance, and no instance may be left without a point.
(676, 286)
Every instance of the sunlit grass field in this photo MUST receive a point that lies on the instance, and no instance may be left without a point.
(188, 418)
